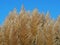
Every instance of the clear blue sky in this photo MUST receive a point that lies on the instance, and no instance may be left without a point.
(53, 6)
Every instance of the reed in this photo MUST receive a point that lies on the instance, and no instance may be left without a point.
(28, 28)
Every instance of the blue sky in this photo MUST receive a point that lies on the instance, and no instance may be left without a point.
(53, 6)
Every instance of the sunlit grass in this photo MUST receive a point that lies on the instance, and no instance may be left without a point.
(30, 29)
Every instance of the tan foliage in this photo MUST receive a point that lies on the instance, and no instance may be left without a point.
(30, 29)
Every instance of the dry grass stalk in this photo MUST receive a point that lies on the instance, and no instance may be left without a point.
(30, 29)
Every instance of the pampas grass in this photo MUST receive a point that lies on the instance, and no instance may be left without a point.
(30, 29)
